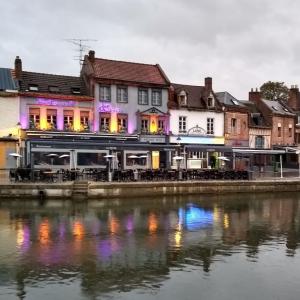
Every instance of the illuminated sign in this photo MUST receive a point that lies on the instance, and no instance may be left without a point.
(53, 102)
(108, 108)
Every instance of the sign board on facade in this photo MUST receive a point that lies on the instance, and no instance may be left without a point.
(152, 139)
(108, 108)
(54, 102)
(197, 130)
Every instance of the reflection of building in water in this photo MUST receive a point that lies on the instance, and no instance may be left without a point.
(114, 243)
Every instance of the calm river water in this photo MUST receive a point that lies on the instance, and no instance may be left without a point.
(193, 247)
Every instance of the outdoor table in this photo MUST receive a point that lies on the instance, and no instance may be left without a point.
(49, 175)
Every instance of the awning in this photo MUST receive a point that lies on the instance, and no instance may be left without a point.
(208, 148)
(258, 151)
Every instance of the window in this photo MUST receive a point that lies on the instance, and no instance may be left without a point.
(259, 142)
(275, 108)
(91, 159)
(182, 98)
(68, 120)
(161, 125)
(210, 101)
(182, 124)
(145, 125)
(279, 129)
(104, 122)
(75, 90)
(51, 119)
(53, 89)
(122, 123)
(233, 126)
(234, 101)
(33, 87)
(84, 121)
(105, 93)
(143, 96)
(290, 130)
(34, 118)
(156, 97)
(210, 126)
(122, 94)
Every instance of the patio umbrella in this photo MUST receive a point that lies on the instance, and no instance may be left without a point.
(133, 156)
(178, 157)
(16, 155)
(52, 155)
(64, 156)
(109, 156)
(143, 156)
(223, 158)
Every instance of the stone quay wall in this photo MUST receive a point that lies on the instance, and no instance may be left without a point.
(96, 190)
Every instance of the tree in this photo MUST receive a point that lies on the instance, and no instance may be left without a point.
(274, 90)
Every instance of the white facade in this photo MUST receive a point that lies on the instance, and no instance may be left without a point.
(197, 118)
(10, 116)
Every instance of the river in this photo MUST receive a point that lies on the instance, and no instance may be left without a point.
(194, 247)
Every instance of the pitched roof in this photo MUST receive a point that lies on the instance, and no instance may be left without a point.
(65, 84)
(129, 71)
(6, 80)
(227, 99)
(194, 94)
(278, 108)
(256, 118)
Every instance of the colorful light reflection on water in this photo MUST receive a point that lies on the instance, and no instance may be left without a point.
(194, 217)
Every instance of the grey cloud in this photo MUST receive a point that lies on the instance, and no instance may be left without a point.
(240, 43)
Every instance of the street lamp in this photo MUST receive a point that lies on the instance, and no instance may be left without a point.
(109, 158)
(179, 158)
(19, 143)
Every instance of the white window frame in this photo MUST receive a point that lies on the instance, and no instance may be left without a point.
(105, 93)
(182, 124)
(210, 126)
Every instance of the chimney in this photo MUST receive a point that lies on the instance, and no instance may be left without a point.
(294, 98)
(92, 56)
(208, 84)
(254, 96)
(18, 68)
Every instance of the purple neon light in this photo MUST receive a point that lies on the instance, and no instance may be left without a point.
(53, 102)
(108, 108)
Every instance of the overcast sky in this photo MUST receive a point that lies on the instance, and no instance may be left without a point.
(240, 43)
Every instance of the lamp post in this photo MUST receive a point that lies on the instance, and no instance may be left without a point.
(19, 144)
(179, 158)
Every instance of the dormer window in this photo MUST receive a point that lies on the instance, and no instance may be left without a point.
(53, 89)
(33, 87)
(210, 101)
(234, 101)
(182, 98)
(75, 90)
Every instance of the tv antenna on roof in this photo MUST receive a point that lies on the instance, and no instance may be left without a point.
(80, 43)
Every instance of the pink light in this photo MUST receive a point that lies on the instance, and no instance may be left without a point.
(108, 108)
(53, 102)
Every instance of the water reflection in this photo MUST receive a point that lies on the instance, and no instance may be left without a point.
(139, 246)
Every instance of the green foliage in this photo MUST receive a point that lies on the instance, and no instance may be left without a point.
(274, 90)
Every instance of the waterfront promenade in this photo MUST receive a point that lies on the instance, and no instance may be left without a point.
(82, 190)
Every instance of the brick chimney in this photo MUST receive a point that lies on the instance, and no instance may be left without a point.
(294, 98)
(18, 68)
(254, 96)
(92, 56)
(208, 84)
